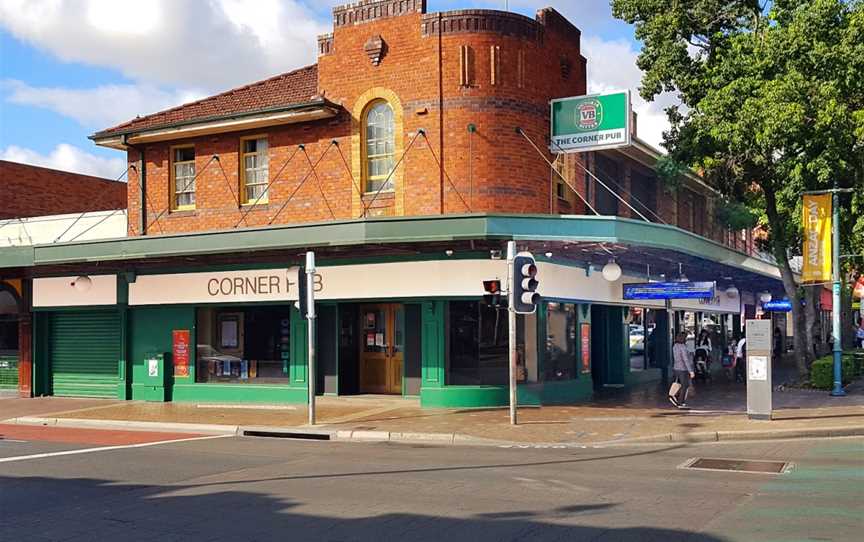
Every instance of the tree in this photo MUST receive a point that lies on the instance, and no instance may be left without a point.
(772, 104)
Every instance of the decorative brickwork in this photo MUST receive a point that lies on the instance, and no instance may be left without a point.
(475, 21)
(325, 44)
(367, 11)
(375, 48)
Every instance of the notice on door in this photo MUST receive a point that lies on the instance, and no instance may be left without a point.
(180, 352)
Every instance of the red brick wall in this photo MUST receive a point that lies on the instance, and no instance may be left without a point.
(27, 191)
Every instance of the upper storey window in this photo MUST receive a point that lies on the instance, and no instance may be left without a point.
(379, 146)
(183, 177)
(254, 169)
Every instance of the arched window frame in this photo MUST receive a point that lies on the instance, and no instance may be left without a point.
(383, 157)
(361, 103)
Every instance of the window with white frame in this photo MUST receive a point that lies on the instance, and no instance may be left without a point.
(255, 172)
(183, 171)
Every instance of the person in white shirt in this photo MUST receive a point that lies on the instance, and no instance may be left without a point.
(682, 368)
(741, 360)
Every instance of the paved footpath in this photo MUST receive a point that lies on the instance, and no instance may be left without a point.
(717, 414)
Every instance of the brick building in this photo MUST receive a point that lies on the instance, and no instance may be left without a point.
(27, 191)
(406, 158)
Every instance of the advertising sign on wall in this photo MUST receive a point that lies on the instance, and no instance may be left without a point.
(590, 123)
(180, 351)
(817, 238)
(585, 347)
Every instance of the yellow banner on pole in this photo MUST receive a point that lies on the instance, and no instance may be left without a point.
(817, 238)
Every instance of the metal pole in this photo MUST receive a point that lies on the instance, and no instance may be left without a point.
(310, 322)
(835, 313)
(511, 324)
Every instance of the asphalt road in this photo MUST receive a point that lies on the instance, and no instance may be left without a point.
(243, 489)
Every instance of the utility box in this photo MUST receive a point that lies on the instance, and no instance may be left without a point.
(759, 353)
(154, 381)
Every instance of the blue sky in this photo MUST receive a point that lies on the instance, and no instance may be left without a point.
(70, 68)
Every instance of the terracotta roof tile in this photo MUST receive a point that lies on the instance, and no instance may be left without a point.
(298, 86)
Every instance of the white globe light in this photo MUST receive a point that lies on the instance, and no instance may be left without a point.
(611, 271)
(765, 297)
(732, 292)
(82, 283)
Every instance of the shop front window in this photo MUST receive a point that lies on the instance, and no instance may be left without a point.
(478, 342)
(243, 345)
(561, 345)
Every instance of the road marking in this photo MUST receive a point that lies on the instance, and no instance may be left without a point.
(105, 448)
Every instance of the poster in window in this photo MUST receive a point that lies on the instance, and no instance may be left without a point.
(585, 347)
(229, 333)
(180, 351)
(370, 320)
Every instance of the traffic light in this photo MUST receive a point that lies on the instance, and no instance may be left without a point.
(493, 292)
(302, 296)
(524, 283)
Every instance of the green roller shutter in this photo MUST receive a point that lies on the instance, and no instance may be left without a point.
(85, 349)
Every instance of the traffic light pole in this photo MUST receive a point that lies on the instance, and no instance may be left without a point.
(511, 325)
(310, 322)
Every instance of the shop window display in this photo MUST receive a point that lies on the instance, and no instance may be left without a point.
(243, 345)
(561, 346)
(478, 341)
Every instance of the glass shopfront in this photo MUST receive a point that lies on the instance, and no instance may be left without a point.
(243, 345)
(561, 342)
(478, 341)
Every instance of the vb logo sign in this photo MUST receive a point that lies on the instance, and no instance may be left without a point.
(589, 115)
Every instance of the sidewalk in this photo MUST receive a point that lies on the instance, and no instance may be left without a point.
(638, 417)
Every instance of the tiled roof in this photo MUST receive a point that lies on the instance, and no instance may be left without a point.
(295, 87)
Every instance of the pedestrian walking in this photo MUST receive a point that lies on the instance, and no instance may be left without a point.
(683, 370)
(859, 334)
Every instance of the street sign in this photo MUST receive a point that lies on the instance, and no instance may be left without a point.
(592, 122)
(669, 290)
(777, 306)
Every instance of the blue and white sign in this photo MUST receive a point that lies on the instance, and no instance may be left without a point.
(777, 306)
(669, 290)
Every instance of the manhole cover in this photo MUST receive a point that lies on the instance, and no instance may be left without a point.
(738, 465)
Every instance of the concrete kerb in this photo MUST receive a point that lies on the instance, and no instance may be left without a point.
(348, 435)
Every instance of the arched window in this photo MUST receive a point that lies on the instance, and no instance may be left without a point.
(379, 146)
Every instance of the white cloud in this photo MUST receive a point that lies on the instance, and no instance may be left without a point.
(211, 44)
(66, 157)
(612, 66)
(99, 107)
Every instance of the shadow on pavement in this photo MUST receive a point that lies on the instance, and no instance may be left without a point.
(85, 509)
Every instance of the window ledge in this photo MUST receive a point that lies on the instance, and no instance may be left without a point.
(182, 212)
(381, 193)
(260, 206)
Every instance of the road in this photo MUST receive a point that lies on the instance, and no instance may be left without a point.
(110, 486)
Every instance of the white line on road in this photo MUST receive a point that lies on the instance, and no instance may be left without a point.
(105, 448)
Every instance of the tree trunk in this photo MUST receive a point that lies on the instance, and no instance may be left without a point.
(803, 339)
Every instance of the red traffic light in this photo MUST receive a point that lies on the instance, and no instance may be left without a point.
(492, 286)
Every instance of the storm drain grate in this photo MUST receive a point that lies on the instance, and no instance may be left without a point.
(286, 434)
(738, 465)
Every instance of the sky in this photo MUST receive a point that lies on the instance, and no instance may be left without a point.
(69, 68)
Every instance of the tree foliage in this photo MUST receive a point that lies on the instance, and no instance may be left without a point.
(772, 102)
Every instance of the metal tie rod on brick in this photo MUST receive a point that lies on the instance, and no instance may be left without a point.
(447, 175)
(318, 182)
(266, 188)
(299, 186)
(604, 185)
(366, 208)
(130, 166)
(230, 189)
(521, 132)
(348, 169)
(185, 186)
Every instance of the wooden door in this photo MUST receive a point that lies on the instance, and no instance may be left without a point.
(382, 348)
